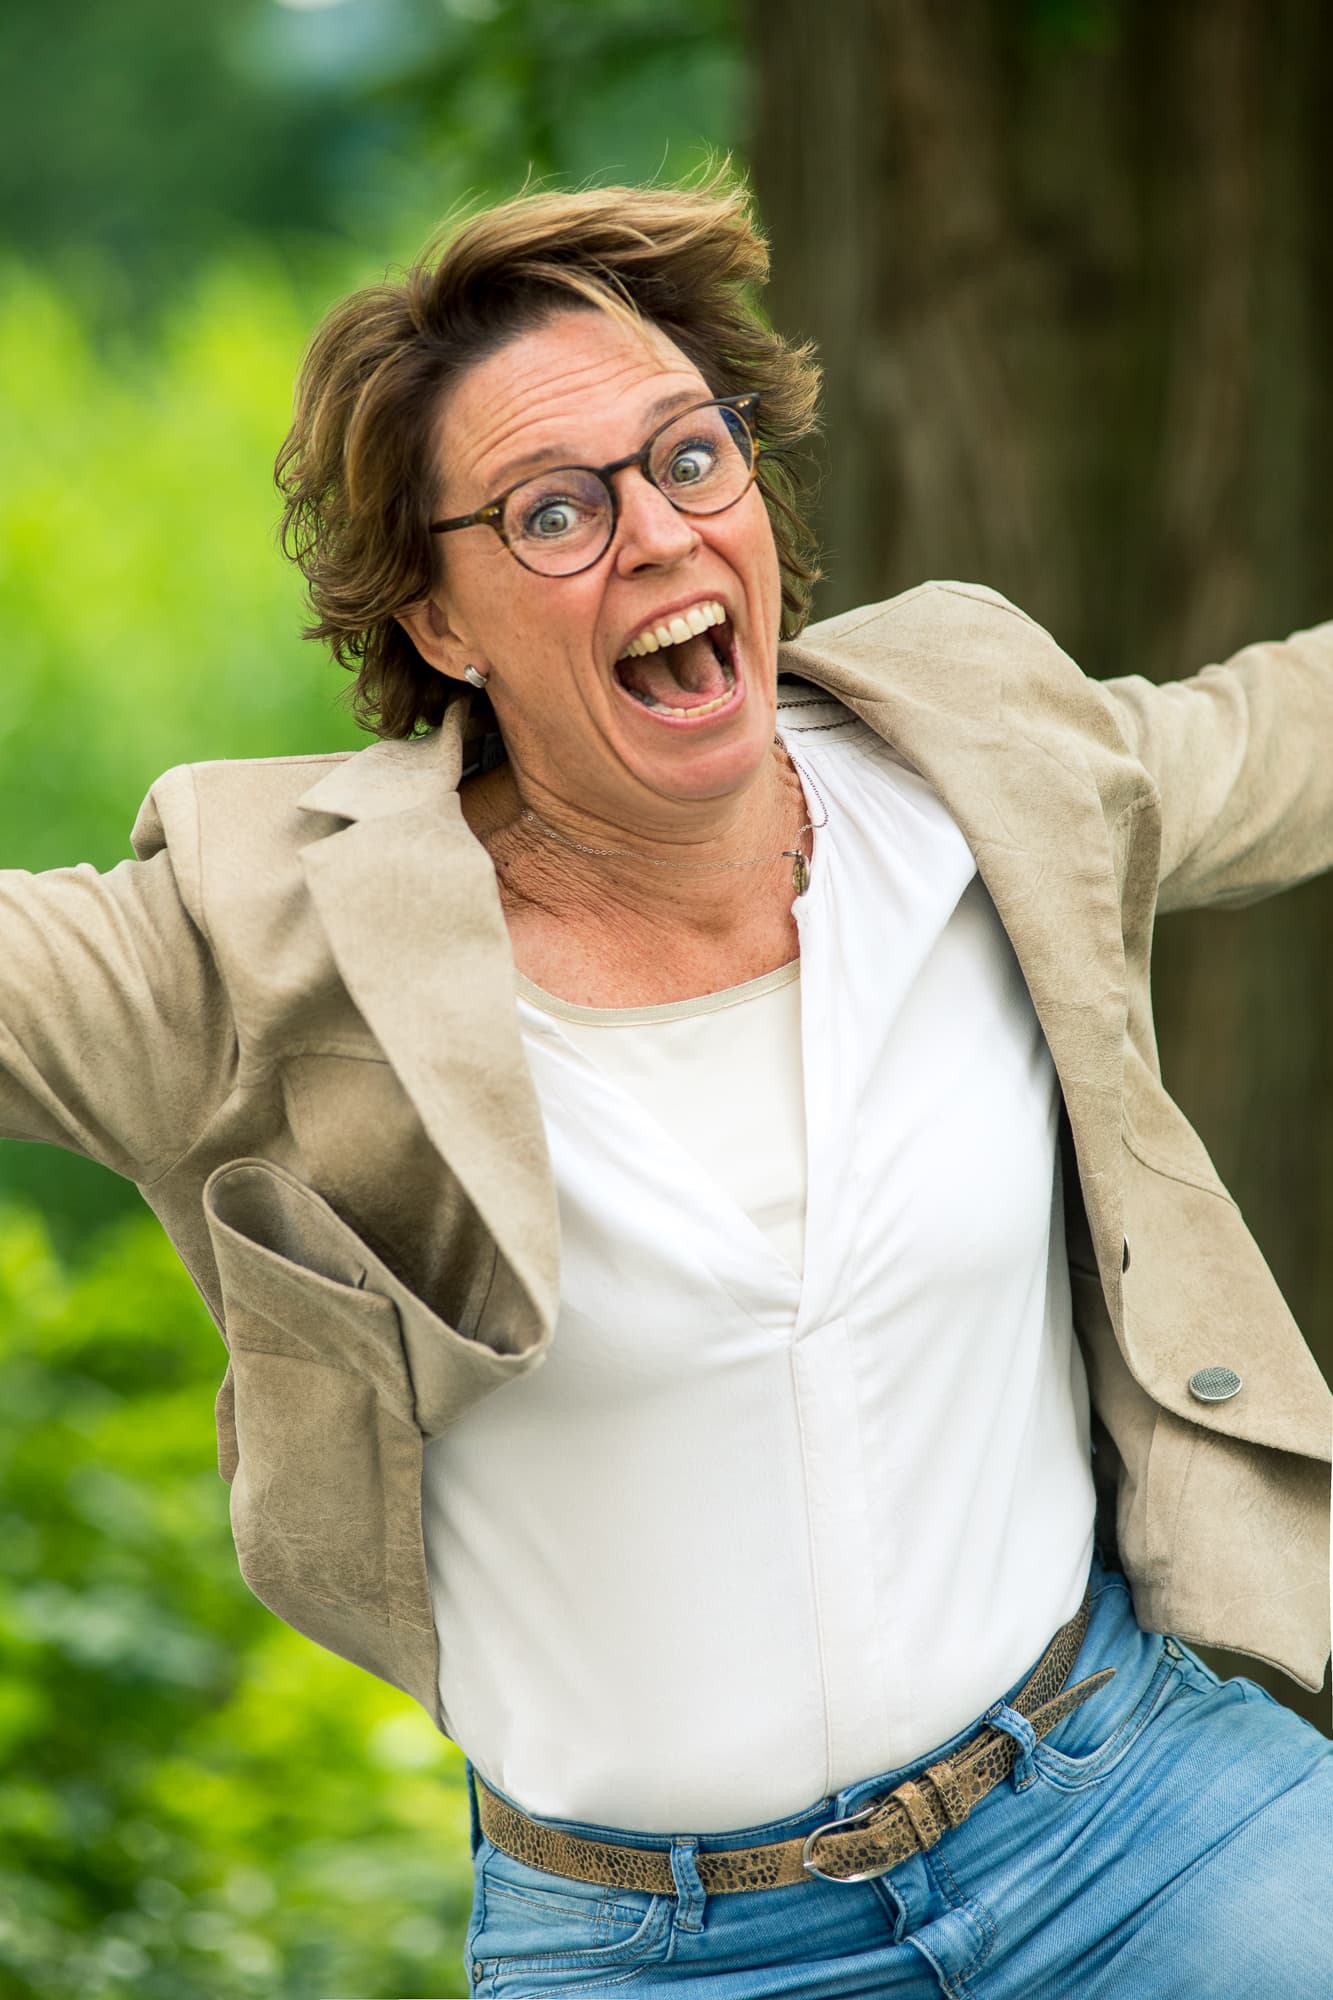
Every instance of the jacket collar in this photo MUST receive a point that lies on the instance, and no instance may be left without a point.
(409, 901)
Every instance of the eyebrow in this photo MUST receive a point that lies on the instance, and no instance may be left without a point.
(554, 455)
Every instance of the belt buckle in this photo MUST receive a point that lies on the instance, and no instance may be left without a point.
(840, 1826)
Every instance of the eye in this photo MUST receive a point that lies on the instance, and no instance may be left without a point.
(692, 462)
(550, 518)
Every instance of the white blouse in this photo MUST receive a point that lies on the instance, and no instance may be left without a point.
(804, 1483)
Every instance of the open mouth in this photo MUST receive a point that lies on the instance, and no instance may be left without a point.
(686, 680)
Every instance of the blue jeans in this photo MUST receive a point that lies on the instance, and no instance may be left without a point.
(1171, 1838)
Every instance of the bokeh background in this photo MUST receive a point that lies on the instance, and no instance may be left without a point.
(1070, 267)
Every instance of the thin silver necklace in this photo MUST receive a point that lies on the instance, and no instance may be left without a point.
(800, 867)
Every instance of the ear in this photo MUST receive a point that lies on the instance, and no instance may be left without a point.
(440, 646)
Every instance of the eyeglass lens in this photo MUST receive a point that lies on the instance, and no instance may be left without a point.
(562, 520)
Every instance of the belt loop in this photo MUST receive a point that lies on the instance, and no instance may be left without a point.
(1001, 1716)
(690, 1893)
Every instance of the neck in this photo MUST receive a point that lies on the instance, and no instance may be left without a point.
(690, 881)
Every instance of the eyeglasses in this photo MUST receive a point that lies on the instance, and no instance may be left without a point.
(563, 521)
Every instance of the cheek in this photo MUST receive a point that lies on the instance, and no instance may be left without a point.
(506, 610)
(544, 631)
(561, 613)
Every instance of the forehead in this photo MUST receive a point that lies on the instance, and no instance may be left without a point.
(582, 385)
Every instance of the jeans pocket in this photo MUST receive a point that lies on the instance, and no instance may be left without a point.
(1122, 1722)
(535, 1934)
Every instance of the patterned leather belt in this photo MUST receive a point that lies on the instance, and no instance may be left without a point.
(870, 1842)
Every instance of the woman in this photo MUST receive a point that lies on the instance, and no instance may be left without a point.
(757, 1035)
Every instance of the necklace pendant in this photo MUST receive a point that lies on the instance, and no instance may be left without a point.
(800, 873)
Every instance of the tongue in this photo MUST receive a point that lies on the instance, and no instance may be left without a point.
(679, 676)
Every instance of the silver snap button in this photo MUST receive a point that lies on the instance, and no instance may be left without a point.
(1214, 1385)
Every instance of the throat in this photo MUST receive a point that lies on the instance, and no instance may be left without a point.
(586, 881)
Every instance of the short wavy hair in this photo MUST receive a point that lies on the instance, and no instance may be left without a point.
(358, 470)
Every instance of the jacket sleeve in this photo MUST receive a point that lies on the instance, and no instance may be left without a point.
(1242, 755)
(115, 1035)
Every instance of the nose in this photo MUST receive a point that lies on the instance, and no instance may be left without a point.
(650, 531)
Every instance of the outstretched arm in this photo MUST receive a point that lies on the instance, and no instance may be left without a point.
(1243, 757)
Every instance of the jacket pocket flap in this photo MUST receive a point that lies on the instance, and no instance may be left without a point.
(297, 1280)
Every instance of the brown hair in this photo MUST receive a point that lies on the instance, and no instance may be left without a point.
(357, 470)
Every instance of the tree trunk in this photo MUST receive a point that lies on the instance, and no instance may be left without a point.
(1071, 274)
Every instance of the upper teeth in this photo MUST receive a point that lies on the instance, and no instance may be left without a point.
(673, 631)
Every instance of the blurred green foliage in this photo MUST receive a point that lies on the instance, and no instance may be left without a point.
(148, 616)
(141, 140)
(196, 1802)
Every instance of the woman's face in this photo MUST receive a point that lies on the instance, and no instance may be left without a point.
(584, 390)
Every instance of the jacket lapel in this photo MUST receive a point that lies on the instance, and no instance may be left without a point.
(1032, 814)
(408, 901)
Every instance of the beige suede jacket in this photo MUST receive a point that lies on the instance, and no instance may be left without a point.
(292, 1022)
